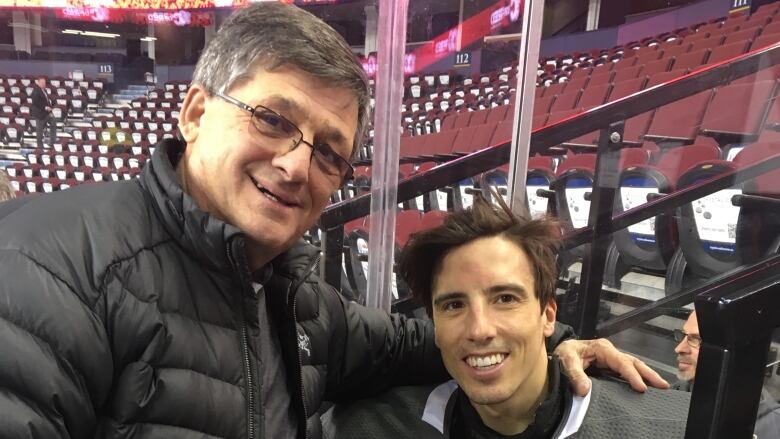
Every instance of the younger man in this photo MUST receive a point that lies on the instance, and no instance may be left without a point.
(487, 278)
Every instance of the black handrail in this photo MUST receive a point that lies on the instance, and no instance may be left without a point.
(544, 138)
(736, 322)
(736, 279)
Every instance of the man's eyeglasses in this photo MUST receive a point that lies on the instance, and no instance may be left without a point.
(693, 340)
(283, 135)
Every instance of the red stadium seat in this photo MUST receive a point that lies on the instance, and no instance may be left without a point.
(594, 96)
(690, 61)
(566, 101)
(737, 111)
(651, 243)
(722, 53)
(741, 36)
(655, 67)
(679, 121)
(406, 223)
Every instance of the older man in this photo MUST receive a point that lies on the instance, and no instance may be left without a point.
(687, 350)
(184, 304)
(488, 279)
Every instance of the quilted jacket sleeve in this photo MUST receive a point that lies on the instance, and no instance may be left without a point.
(54, 357)
(372, 350)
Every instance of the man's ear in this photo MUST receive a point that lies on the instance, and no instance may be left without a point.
(192, 109)
(548, 316)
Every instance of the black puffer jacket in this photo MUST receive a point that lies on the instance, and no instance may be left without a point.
(125, 311)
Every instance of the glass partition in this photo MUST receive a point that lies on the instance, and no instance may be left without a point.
(116, 79)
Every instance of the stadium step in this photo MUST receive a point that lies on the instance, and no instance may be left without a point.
(126, 95)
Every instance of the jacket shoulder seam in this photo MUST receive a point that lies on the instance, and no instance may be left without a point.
(56, 276)
(117, 262)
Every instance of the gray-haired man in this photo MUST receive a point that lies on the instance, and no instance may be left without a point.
(183, 304)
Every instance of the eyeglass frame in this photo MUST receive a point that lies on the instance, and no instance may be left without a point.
(350, 170)
(680, 335)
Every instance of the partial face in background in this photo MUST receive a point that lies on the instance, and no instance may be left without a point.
(272, 196)
(687, 355)
(489, 324)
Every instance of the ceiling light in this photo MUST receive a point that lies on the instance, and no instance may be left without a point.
(99, 34)
(87, 33)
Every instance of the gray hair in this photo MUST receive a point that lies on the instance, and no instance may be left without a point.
(6, 190)
(270, 35)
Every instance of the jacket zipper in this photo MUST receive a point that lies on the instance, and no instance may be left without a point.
(300, 376)
(309, 270)
(250, 404)
(250, 394)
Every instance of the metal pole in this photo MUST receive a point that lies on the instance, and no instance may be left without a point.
(605, 187)
(387, 137)
(533, 15)
(594, 12)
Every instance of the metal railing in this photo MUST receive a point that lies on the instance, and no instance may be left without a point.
(725, 398)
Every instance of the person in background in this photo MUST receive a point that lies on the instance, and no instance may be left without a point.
(6, 190)
(687, 350)
(41, 112)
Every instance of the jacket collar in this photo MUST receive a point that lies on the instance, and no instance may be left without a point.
(441, 406)
(207, 238)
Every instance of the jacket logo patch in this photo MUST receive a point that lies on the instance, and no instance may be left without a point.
(303, 344)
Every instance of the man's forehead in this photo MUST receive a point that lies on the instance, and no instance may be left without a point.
(691, 325)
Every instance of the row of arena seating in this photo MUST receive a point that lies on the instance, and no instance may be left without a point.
(680, 122)
(584, 89)
(70, 99)
(431, 97)
(708, 237)
(560, 67)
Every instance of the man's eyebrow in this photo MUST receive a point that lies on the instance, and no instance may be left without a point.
(500, 288)
(291, 110)
(283, 105)
(448, 296)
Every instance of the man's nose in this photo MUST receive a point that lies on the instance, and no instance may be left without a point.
(481, 326)
(682, 347)
(295, 163)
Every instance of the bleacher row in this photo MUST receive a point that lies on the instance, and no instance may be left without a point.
(47, 172)
(669, 148)
(585, 87)
(70, 98)
(432, 97)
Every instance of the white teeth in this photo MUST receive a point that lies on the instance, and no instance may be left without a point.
(271, 197)
(486, 361)
(268, 194)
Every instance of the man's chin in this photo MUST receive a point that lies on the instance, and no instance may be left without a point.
(684, 376)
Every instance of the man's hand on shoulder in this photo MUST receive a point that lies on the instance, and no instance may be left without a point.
(578, 355)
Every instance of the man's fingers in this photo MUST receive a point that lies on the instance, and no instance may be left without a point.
(629, 372)
(580, 383)
(650, 376)
(572, 366)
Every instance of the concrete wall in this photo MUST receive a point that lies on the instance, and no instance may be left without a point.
(602, 39)
(167, 73)
(637, 30)
(675, 19)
